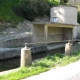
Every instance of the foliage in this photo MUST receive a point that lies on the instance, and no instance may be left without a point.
(63, 1)
(6, 12)
(43, 65)
(16, 10)
(54, 1)
(34, 8)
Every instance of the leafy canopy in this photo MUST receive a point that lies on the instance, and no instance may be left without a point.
(34, 8)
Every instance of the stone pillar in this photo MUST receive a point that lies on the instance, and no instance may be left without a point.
(68, 48)
(26, 59)
(45, 34)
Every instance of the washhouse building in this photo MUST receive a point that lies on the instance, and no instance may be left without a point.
(62, 25)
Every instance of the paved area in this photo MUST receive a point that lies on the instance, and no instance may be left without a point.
(69, 72)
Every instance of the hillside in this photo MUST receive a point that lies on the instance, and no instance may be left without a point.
(6, 11)
(10, 10)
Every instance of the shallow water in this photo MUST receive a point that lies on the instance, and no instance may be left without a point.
(9, 64)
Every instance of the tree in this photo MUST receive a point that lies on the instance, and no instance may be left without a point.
(63, 1)
(34, 8)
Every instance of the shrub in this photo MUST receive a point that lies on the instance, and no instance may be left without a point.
(63, 1)
(36, 8)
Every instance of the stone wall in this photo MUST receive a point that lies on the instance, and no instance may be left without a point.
(6, 53)
(76, 32)
(54, 34)
(15, 37)
(38, 33)
(73, 2)
(21, 31)
(64, 14)
(16, 42)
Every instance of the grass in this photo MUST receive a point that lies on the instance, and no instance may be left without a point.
(45, 64)
(6, 12)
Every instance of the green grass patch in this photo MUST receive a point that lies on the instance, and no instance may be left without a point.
(6, 12)
(45, 64)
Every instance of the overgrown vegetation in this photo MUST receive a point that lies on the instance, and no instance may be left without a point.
(63, 1)
(16, 10)
(37, 8)
(6, 11)
(45, 64)
(13, 10)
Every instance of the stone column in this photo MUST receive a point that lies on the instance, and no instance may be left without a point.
(68, 48)
(26, 59)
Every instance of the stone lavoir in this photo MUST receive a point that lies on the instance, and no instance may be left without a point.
(61, 27)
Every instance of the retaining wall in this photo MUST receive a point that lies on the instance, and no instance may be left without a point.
(15, 42)
(6, 53)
